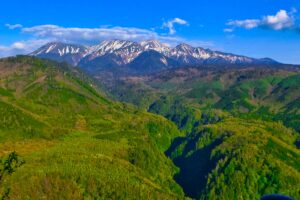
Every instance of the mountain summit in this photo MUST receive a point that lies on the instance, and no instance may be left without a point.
(58, 51)
(129, 54)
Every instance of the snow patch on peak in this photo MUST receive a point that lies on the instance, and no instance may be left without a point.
(109, 46)
(59, 48)
(51, 47)
(156, 46)
(184, 47)
(164, 60)
(68, 50)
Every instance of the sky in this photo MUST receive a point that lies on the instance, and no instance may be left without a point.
(255, 28)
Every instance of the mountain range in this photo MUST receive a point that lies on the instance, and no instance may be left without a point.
(178, 123)
(144, 57)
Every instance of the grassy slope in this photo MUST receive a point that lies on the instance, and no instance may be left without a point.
(75, 143)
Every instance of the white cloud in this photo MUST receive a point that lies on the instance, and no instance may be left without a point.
(81, 35)
(41, 34)
(13, 26)
(247, 24)
(95, 35)
(18, 45)
(21, 47)
(170, 24)
(280, 21)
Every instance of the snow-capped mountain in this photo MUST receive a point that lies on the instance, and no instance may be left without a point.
(126, 50)
(62, 52)
(121, 53)
(156, 46)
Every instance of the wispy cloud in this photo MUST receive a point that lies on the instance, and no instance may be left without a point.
(13, 26)
(92, 35)
(247, 24)
(282, 20)
(170, 24)
(89, 34)
(41, 34)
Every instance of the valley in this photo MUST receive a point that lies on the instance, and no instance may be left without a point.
(207, 131)
(233, 119)
(150, 100)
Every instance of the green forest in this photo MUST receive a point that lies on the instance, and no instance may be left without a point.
(209, 134)
(241, 127)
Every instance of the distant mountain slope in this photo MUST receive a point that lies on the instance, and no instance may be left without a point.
(57, 51)
(118, 54)
(265, 92)
(74, 141)
(150, 61)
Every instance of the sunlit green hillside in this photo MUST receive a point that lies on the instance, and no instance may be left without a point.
(73, 142)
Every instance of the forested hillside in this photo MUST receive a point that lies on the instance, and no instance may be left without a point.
(253, 92)
(241, 127)
(224, 135)
(61, 138)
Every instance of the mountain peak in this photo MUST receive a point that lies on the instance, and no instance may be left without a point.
(151, 42)
(155, 45)
(184, 48)
(59, 50)
(59, 47)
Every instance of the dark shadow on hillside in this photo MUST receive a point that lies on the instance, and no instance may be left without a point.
(194, 168)
(297, 143)
(175, 144)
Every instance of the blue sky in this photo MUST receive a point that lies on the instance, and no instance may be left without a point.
(257, 28)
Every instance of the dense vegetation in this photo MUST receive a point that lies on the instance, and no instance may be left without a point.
(61, 137)
(237, 144)
(236, 159)
(265, 93)
(74, 142)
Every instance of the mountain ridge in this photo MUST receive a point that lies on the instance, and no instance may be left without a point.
(123, 53)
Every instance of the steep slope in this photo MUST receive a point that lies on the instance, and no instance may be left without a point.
(151, 61)
(156, 46)
(236, 121)
(107, 62)
(238, 158)
(76, 143)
